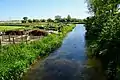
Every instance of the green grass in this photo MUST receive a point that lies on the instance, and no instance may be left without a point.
(21, 26)
(16, 59)
(5, 28)
(24, 24)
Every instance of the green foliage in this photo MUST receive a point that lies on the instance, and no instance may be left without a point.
(43, 20)
(103, 34)
(23, 21)
(25, 18)
(58, 18)
(68, 18)
(36, 20)
(30, 21)
(50, 20)
(16, 59)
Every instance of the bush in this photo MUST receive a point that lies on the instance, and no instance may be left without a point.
(103, 34)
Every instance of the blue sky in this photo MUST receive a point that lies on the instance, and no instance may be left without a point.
(16, 9)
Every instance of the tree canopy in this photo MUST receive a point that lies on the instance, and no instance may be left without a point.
(103, 30)
(25, 18)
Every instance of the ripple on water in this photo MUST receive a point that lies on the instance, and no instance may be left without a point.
(63, 69)
(67, 63)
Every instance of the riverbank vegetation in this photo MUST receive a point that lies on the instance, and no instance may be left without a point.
(15, 59)
(103, 35)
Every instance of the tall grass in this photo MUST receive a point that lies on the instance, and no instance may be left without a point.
(16, 59)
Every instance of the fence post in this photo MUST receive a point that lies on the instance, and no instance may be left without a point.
(22, 38)
(26, 38)
(39, 37)
(2, 37)
(30, 37)
(9, 38)
(13, 40)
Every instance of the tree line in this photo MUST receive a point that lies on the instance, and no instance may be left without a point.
(57, 19)
(103, 35)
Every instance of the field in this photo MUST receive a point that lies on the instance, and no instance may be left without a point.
(15, 59)
(16, 34)
(24, 24)
(5, 28)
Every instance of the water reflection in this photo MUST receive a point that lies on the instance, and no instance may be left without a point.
(73, 46)
(69, 62)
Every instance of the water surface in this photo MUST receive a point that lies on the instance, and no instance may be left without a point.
(69, 62)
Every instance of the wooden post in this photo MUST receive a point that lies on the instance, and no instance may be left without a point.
(33, 37)
(13, 40)
(22, 38)
(30, 37)
(9, 38)
(26, 38)
(2, 37)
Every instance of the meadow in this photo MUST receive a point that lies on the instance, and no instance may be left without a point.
(6, 28)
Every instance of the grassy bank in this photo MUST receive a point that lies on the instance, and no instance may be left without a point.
(16, 59)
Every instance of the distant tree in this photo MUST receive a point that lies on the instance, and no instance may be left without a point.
(58, 18)
(30, 21)
(81, 20)
(43, 20)
(23, 21)
(74, 20)
(68, 18)
(63, 20)
(50, 20)
(36, 20)
(25, 18)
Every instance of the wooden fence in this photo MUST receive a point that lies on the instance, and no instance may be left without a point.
(14, 39)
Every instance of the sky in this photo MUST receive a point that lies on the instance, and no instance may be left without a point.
(17, 9)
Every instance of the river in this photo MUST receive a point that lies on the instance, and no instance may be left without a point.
(69, 62)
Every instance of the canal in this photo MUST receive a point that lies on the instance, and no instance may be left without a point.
(69, 62)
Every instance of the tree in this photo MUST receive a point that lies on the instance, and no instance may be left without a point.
(68, 18)
(50, 20)
(36, 20)
(30, 21)
(58, 18)
(25, 18)
(63, 20)
(103, 31)
(43, 20)
(23, 21)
